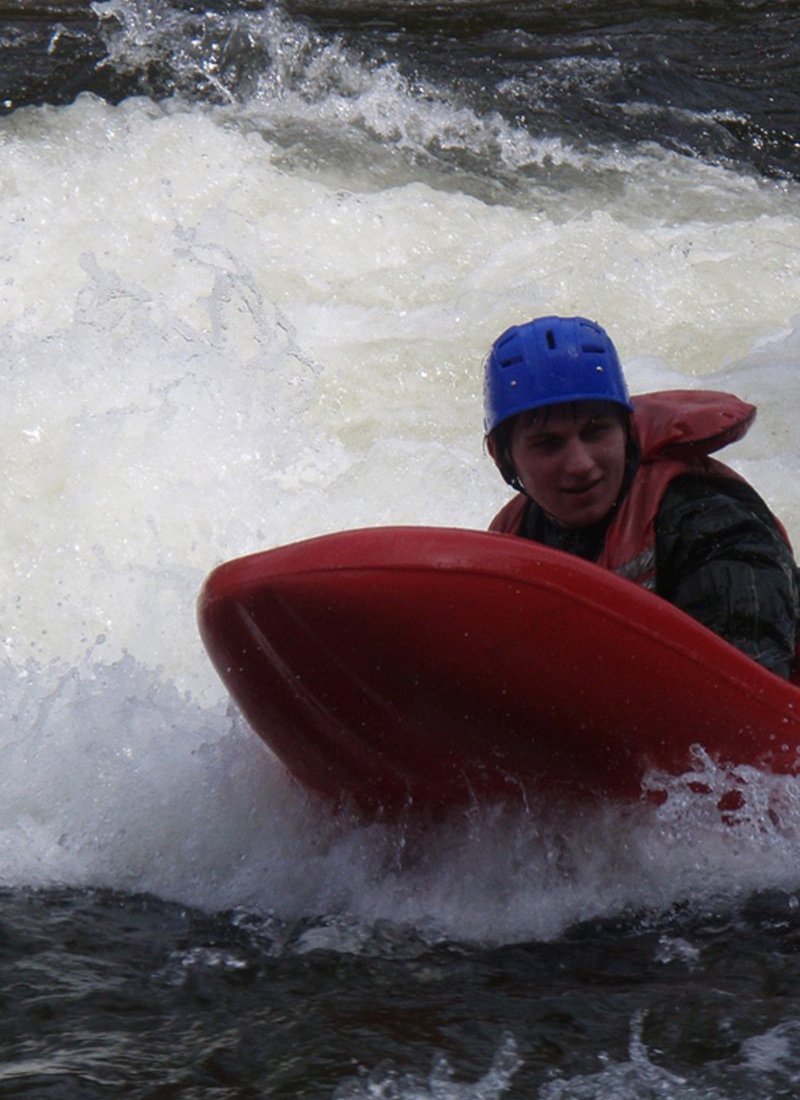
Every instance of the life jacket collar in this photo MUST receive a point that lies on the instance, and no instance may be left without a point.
(689, 424)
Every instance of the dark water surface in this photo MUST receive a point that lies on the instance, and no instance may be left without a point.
(714, 79)
(107, 994)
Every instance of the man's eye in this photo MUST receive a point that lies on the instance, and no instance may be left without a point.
(597, 427)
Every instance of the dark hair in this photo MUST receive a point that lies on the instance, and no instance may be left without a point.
(501, 441)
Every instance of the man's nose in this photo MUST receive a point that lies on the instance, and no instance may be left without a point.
(578, 459)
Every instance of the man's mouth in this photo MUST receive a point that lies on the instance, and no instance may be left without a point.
(579, 490)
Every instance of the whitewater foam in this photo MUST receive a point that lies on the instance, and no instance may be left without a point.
(211, 347)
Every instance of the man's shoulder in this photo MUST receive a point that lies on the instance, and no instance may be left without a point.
(510, 518)
(701, 489)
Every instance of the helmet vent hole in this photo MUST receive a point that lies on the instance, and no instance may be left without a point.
(551, 339)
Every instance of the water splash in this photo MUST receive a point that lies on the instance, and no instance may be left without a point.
(637, 1079)
(207, 352)
(388, 1083)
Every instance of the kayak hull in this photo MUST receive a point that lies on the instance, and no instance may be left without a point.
(428, 667)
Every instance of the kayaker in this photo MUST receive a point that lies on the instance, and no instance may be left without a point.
(628, 483)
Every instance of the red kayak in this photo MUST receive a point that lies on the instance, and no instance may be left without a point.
(424, 668)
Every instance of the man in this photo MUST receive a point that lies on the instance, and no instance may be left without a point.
(629, 484)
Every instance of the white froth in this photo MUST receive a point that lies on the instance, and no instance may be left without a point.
(208, 351)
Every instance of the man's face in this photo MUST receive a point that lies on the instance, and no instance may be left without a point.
(570, 459)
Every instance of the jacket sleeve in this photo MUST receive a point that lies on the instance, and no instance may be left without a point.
(721, 559)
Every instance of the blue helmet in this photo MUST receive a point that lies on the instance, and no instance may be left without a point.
(549, 361)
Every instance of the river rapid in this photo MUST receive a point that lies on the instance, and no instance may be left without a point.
(251, 258)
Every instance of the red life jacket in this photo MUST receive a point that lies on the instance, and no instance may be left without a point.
(676, 430)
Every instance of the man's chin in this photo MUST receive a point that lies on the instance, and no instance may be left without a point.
(583, 515)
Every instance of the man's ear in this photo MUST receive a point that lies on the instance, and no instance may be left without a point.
(491, 447)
